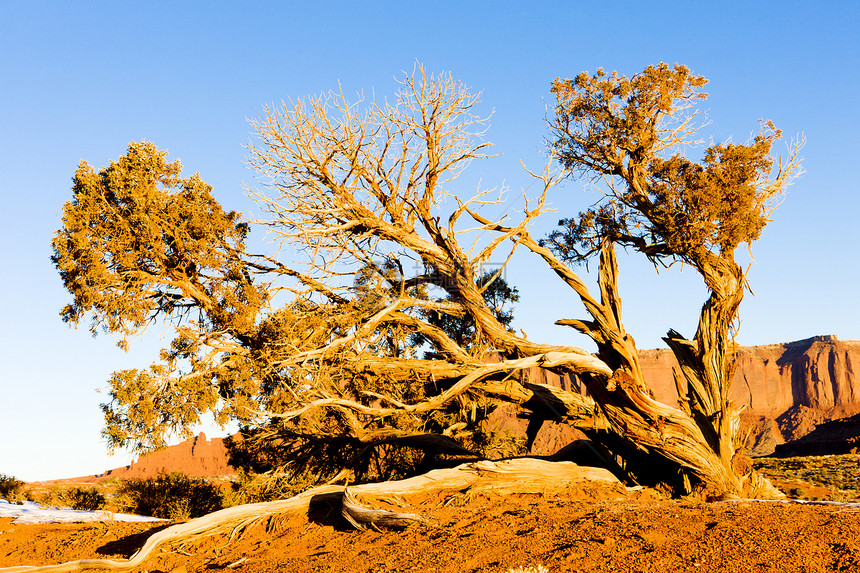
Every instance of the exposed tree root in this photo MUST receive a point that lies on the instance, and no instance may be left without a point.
(521, 475)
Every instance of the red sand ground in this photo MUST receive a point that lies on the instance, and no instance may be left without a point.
(587, 528)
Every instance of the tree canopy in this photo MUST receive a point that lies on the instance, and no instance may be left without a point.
(631, 132)
(363, 343)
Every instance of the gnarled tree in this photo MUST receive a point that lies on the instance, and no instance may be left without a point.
(319, 353)
(630, 134)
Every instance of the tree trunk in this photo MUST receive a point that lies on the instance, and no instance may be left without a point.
(706, 364)
(700, 438)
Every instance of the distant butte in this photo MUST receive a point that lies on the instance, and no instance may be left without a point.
(196, 457)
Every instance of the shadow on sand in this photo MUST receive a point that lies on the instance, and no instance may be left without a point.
(129, 544)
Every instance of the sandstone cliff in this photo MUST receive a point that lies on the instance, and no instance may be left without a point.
(822, 373)
(197, 457)
(787, 388)
(835, 437)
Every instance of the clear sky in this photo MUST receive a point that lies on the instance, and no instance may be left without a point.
(80, 80)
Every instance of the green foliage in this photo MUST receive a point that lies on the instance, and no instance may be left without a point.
(498, 295)
(839, 474)
(312, 457)
(11, 488)
(138, 226)
(170, 496)
(316, 347)
(796, 492)
(630, 132)
(139, 243)
(51, 497)
(500, 444)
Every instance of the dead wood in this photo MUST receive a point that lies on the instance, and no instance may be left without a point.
(520, 475)
(359, 516)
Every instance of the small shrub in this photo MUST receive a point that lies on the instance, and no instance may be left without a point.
(81, 498)
(178, 509)
(170, 496)
(50, 498)
(89, 499)
(796, 492)
(11, 488)
(251, 487)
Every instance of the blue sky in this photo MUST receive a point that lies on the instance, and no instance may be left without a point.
(80, 80)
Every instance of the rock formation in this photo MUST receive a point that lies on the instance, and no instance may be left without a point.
(787, 388)
(197, 457)
(820, 373)
(834, 437)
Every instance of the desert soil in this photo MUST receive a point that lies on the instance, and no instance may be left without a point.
(583, 528)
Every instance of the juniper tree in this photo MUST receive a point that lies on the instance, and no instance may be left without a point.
(316, 346)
